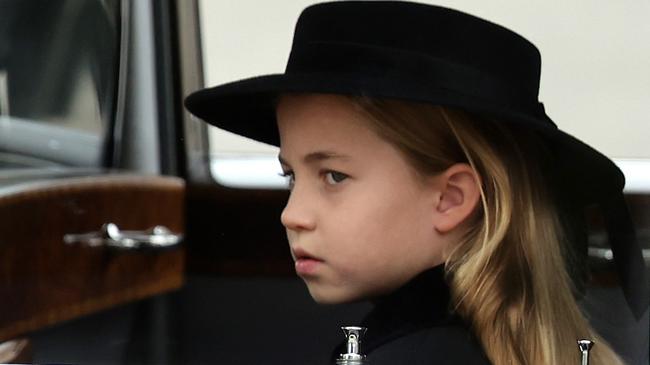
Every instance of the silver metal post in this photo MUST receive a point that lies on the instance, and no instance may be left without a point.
(585, 346)
(353, 336)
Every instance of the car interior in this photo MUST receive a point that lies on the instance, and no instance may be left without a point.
(118, 245)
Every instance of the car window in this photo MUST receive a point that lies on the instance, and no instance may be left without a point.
(58, 75)
(594, 79)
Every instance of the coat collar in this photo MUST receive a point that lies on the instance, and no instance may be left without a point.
(421, 303)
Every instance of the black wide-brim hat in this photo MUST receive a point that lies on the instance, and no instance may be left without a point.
(429, 54)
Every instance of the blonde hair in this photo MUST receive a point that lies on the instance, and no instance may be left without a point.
(507, 276)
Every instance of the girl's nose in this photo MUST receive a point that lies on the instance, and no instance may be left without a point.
(296, 215)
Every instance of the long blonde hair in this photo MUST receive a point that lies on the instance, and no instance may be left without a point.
(508, 276)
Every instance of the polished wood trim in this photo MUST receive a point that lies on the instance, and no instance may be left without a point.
(44, 281)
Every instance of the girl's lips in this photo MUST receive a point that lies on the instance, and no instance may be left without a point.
(307, 266)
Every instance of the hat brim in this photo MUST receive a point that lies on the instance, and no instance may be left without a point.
(247, 108)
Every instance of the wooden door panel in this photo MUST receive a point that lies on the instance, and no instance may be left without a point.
(44, 281)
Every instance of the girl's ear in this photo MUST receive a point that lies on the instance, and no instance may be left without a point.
(459, 193)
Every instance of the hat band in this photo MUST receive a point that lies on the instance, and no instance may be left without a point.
(410, 70)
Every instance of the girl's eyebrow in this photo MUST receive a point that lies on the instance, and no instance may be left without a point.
(317, 156)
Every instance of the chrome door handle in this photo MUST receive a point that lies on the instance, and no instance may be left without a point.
(111, 236)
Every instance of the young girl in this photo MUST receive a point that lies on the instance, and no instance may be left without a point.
(427, 178)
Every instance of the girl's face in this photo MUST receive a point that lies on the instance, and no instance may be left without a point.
(359, 220)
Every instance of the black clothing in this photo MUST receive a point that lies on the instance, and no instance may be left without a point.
(414, 326)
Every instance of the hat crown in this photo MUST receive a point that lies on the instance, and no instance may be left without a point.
(430, 31)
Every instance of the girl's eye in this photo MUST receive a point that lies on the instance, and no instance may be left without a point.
(334, 177)
(290, 177)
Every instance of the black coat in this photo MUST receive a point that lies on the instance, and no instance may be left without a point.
(414, 326)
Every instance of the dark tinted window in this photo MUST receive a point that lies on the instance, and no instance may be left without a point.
(58, 78)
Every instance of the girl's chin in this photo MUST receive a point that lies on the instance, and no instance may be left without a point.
(329, 301)
(325, 297)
